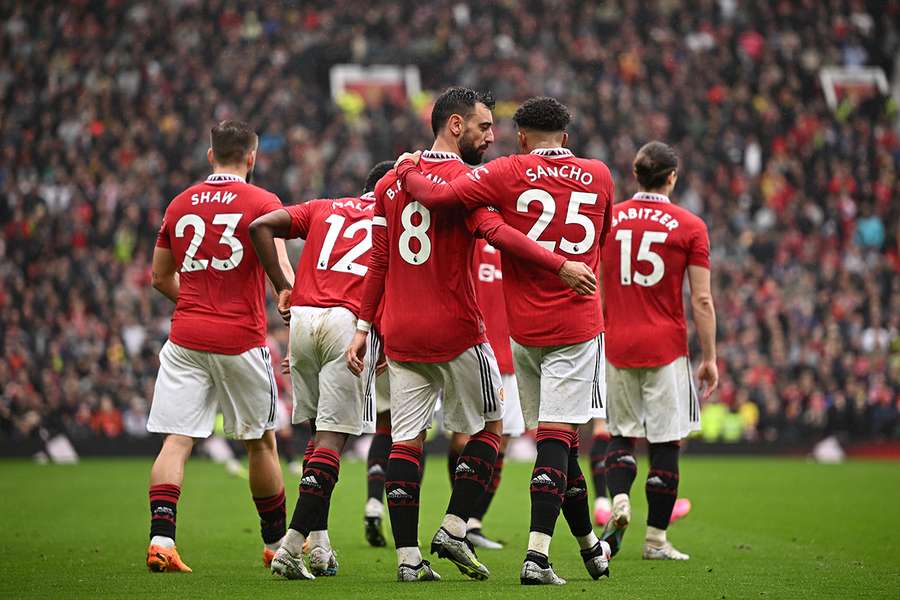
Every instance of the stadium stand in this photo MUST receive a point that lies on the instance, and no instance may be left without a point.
(106, 107)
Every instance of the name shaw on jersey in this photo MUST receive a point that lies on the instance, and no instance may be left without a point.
(207, 197)
(652, 214)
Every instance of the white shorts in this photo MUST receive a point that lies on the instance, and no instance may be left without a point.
(472, 393)
(192, 386)
(324, 389)
(513, 421)
(658, 403)
(378, 388)
(561, 384)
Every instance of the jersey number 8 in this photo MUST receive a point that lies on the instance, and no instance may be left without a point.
(418, 232)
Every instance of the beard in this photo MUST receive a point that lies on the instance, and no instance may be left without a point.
(470, 153)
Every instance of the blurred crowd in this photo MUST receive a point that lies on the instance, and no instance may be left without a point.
(105, 109)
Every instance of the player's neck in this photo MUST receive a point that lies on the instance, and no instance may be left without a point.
(230, 170)
(443, 145)
(544, 145)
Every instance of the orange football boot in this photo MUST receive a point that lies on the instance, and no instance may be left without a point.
(165, 560)
(268, 555)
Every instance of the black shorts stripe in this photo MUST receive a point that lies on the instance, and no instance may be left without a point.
(374, 352)
(596, 400)
(488, 401)
(492, 385)
(273, 394)
(692, 409)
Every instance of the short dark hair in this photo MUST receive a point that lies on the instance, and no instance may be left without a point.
(543, 114)
(377, 172)
(231, 141)
(653, 164)
(457, 101)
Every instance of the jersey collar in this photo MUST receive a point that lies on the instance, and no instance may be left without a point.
(435, 156)
(224, 178)
(651, 197)
(553, 152)
(368, 196)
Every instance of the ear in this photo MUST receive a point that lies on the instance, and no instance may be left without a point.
(565, 138)
(251, 159)
(523, 140)
(209, 156)
(455, 125)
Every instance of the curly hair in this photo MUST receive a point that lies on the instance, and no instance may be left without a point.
(543, 114)
(457, 101)
(653, 164)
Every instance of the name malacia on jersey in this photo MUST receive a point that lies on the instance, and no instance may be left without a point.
(651, 214)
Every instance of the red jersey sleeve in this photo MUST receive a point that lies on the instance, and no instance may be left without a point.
(607, 214)
(269, 203)
(698, 247)
(491, 226)
(479, 186)
(429, 194)
(373, 285)
(162, 237)
(301, 215)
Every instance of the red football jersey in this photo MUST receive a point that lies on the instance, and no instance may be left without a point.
(430, 312)
(221, 304)
(651, 244)
(563, 203)
(489, 293)
(335, 258)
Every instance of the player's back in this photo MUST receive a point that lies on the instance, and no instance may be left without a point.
(334, 260)
(488, 276)
(561, 201)
(430, 311)
(650, 245)
(221, 297)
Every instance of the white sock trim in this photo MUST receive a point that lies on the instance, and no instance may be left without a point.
(410, 555)
(161, 540)
(320, 539)
(454, 525)
(293, 542)
(374, 508)
(587, 541)
(655, 536)
(539, 542)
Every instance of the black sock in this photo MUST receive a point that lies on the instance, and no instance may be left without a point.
(307, 454)
(452, 461)
(575, 504)
(662, 484)
(548, 479)
(621, 465)
(163, 509)
(316, 485)
(482, 506)
(272, 515)
(542, 560)
(473, 473)
(598, 463)
(402, 487)
(377, 464)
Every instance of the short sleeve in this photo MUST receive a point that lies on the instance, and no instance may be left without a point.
(270, 202)
(379, 218)
(481, 185)
(162, 237)
(301, 216)
(698, 248)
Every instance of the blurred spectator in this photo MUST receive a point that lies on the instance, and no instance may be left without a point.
(106, 107)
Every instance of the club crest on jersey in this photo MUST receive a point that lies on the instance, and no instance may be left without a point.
(475, 174)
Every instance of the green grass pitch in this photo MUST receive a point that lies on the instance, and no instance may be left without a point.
(760, 528)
